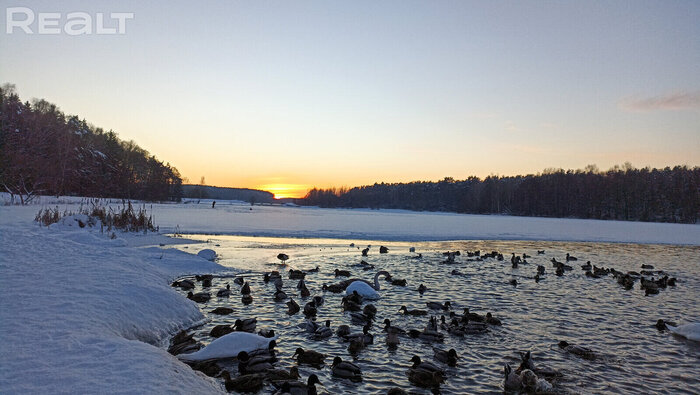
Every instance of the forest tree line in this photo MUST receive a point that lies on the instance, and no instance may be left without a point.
(44, 151)
(621, 193)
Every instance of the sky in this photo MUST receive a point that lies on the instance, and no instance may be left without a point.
(285, 96)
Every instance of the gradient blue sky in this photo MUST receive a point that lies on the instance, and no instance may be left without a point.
(274, 93)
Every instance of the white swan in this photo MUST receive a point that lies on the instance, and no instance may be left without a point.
(365, 289)
(689, 331)
(228, 346)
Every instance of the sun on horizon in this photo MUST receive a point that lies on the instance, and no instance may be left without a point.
(285, 191)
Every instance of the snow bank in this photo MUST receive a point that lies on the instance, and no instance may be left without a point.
(83, 313)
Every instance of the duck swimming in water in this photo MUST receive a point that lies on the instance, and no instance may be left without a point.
(438, 306)
(293, 307)
(583, 352)
(224, 292)
(298, 388)
(308, 357)
(346, 370)
(406, 311)
(447, 357)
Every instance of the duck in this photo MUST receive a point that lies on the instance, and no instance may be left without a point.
(309, 326)
(583, 352)
(335, 288)
(346, 370)
(247, 299)
(228, 346)
(406, 311)
(222, 311)
(239, 280)
(689, 331)
(282, 375)
(388, 328)
(540, 269)
(587, 266)
(422, 288)
(342, 273)
(296, 274)
(308, 357)
(342, 330)
(418, 364)
(314, 270)
(247, 366)
(245, 289)
(293, 307)
(280, 295)
(526, 362)
(299, 388)
(323, 332)
(472, 316)
(570, 257)
(245, 383)
(427, 335)
(224, 292)
(350, 305)
(369, 310)
(365, 251)
(356, 345)
(199, 297)
(353, 297)
(438, 306)
(283, 257)
(540, 252)
(245, 325)
(448, 357)
(533, 384)
(512, 381)
(490, 319)
(184, 284)
(266, 332)
(366, 337)
(392, 339)
(426, 379)
(366, 290)
(310, 309)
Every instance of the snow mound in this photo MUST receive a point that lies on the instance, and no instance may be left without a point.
(207, 254)
(82, 313)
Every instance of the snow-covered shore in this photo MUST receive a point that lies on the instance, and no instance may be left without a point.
(83, 313)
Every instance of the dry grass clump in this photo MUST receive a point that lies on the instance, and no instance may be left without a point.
(125, 217)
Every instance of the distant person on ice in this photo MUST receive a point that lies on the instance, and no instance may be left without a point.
(213, 203)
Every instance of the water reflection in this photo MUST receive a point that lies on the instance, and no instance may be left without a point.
(618, 324)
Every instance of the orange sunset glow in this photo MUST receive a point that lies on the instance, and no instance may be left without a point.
(282, 191)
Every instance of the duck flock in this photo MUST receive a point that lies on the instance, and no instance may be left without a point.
(245, 357)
